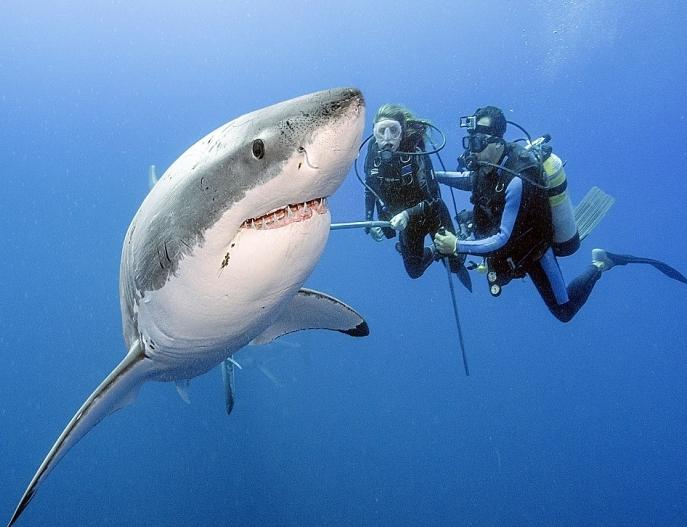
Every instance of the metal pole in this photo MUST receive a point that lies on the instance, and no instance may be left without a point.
(455, 312)
(359, 225)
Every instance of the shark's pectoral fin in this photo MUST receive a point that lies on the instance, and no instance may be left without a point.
(117, 390)
(311, 309)
(182, 390)
(228, 378)
(270, 375)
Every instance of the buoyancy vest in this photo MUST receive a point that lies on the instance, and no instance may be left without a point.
(532, 233)
(396, 179)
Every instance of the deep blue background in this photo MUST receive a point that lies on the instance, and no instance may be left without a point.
(577, 424)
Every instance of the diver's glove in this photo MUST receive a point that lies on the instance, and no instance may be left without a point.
(446, 243)
(400, 221)
(377, 234)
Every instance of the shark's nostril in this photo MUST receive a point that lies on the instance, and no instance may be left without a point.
(303, 151)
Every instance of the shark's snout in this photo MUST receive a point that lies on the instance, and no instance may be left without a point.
(316, 137)
(334, 103)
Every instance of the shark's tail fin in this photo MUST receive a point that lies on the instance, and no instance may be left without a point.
(591, 210)
(117, 390)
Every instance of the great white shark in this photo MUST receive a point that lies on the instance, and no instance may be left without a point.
(218, 251)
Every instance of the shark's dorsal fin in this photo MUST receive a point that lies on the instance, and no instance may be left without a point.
(152, 176)
(311, 309)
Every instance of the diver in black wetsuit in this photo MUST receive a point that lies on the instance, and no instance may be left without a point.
(401, 186)
(512, 220)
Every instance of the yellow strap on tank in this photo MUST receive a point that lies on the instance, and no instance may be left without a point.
(556, 200)
(557, 179)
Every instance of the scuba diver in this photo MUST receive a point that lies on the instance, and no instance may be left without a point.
(400, 185)
(520, 220)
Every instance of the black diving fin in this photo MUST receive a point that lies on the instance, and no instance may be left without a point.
(464, 276)
(670, 272)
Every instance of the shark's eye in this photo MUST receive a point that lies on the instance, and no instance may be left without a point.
(258, 149)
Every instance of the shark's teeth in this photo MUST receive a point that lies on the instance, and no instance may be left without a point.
(288, 214)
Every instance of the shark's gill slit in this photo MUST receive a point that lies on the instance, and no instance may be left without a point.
(285, 215)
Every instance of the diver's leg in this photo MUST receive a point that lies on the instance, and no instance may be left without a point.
(581, 287)
(416, 257)
(564, 303)
(442, 219)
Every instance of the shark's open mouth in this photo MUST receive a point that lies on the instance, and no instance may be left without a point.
(285, 215)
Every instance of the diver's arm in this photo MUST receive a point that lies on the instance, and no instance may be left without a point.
(488, 245)
(429, 188)
(459, 180)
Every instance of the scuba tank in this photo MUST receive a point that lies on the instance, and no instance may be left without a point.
(566, 239)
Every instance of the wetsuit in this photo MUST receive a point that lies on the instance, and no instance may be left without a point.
(407, 182)
(513, 229)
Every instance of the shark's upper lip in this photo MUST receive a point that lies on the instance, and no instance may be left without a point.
(288, 214)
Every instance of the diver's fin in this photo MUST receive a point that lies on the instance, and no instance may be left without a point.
(457, 267)
(182, 390)
(591, 210)
(152, 176)
(311, 309)
(228, 379)
(624, 259)
(117, 390)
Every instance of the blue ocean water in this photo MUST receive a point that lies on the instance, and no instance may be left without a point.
(559, 424)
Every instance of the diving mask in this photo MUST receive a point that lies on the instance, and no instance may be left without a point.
(476, 142)
(388, 134)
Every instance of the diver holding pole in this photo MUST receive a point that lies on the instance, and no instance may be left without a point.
(442, 230)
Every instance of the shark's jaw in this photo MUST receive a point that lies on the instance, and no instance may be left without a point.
(283, 216)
